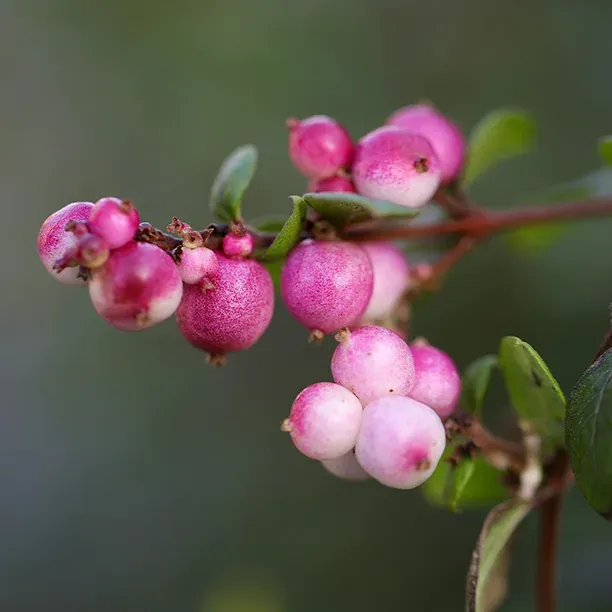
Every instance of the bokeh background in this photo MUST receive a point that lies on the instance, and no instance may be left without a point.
(135, 478)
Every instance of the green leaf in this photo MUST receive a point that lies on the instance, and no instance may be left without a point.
(272, 223)
(233, 178)
(500, 135)
(605, 149)
(475, 382)
(535, 394)
(588, 434)
(488, 573)
(289, 234)
(274, 268)
(461, 476)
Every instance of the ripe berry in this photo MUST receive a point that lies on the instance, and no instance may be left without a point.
(139, 286)
(319, 146)
(333, 184)
(324, 421)
(197, 264)
(91, 251)
(327, 285)
(237, 245)
(397, 166)
(437, 382)
(372, 362)
(400, 442)
(114, 220)
(233, 312)
(345, 467)
(54, 241)
(445, 137)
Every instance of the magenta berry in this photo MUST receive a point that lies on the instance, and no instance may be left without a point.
(327, 285)
(197, 264)
(232, 312)
(373, 362)
(324, 421)
(91, 251)
(445, 137)
(54, 241)
(319, 146)
(137, 287)
(400, 442)
(114, 220)
(395, 165)
(333, 184)
(237, 245)
(437, 382)
(346, 467)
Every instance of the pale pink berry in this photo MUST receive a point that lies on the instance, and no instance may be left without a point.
(319, 146)
(115, 220)
(395, 165)
(392, 279)
(54, 241)
(326, 285)
(237, 245)
(437, 382)
(324, 421)
(445, 137)
(346, 467)
(91, 251)
(197, 264)
(332, 184)
(373, 362)
(232, 312)
(400, 442)
(139, 286)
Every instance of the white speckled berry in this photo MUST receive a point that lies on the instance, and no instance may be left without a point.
(197, 264)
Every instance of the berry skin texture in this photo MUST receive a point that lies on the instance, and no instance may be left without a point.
(437, 382)
(138, 287)
(54, 241)
(333, 184)
(232, 315)
(400, 442)
(346, 467)
(319, 146)
(114, 220)
(91, 251)
(397, 166)
(197, 264)
(373, 362)
(327, 285)
(235, 245)
(445, 137)
(324, 421)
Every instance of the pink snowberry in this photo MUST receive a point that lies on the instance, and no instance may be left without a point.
(138, 286)
(372, 362)
(400, 442)
(346, 467)
(54, 241)
(437, 382)
(324, 421)
(326, 285)
(114, 220)
(231, 313)
(333, 184)
(197, 264)
(237, 245)
(91, 251)
(445, 137)
(395, 165)
(319, 146)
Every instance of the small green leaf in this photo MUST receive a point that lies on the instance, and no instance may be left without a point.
(475, 382)
(289, 234)
(588, 434)
(232, 180)
(461, 476)
(605, 149)
(274, 268)
(535, 394)
(500, 135)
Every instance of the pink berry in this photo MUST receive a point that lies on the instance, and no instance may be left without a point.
(197, 264)
(91, 251)
(373, 362)
(333, 184)
(394, 165)
(327, 285)
(235, 245)
(437, 382)
(400, 442)
(324, 421)
(445, 137)
(54, 241)
(232, 312)
(346, 467)
(139, 286)
(391, 279)
(319, 146)
(114, 220)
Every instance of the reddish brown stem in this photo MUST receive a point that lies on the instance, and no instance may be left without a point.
(547, 555)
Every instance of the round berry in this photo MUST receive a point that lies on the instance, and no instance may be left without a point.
(445, 137)
(327, 285)
(319, 146)
(395, 165)
(346, 467)
(324, 421)
(91, 251)
(373, 362)
(400, 442)
(114, 220)
(437, 382)
(235, 245)
(138, 286)
(333, 184)
(54, 241)
(197, 264)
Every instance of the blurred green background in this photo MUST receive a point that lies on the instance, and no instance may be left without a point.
(135, 478)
